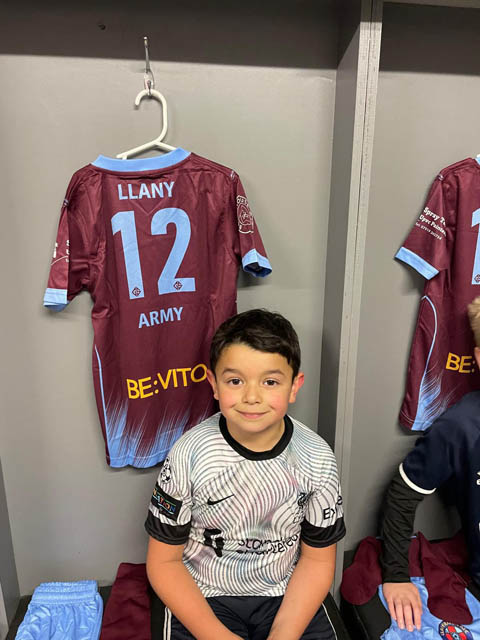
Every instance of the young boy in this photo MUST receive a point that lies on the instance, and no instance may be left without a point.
(448, 453)
(247, 507)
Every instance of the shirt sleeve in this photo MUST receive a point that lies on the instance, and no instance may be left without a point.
(428, 246)
(431, 462)
(244, 235)
(323, 524)
(169, 513)
(69, 269)
(399, 508)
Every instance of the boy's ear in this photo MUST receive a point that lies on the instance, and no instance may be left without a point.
(296, 386)
(213, 382)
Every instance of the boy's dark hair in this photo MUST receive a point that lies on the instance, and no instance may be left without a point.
(474, 317)
(261, 330)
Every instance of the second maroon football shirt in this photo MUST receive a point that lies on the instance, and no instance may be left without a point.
(444, 246)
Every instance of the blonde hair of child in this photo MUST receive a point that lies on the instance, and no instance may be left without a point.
(474, 317)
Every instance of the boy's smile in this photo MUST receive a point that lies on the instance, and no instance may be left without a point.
(254, 389)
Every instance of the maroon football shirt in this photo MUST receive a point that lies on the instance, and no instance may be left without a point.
(158, 243)
(444, 246)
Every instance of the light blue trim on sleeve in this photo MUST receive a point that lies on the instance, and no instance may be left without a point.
(418, 263)
(55, 299)
(142, 164)
(256, 264)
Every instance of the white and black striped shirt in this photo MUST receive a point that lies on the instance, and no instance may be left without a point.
(241, 514)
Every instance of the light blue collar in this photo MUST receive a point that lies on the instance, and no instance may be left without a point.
(142, 164)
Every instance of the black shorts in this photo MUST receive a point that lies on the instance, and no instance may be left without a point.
(250, 617)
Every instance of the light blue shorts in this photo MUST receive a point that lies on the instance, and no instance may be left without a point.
(63, 611)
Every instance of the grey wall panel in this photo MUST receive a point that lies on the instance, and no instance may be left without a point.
(357, 76)
(71, 516)
(4, 624)
(277, 33)
(345, 103)
(465, 4)
(416, 46)
(425, 121)
(9, 591)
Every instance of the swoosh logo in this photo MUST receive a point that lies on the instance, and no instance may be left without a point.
(210, 502)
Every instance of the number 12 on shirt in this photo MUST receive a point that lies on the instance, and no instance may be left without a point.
(168, 282)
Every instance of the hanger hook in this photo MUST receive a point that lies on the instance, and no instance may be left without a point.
(148, 77)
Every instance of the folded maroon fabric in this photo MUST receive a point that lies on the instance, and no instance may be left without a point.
(127, 612)
(446, 587)
(443, 565)
(361, 579)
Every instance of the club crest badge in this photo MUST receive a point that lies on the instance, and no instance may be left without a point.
(452, 631)
(165, 473)
(244, 216)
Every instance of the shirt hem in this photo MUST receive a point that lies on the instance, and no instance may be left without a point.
(139, 463)
(173, 541)
(408, 423)
(208, 592)
(324, 543)
(412, 485)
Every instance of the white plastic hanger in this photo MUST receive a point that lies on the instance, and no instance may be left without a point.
(150, 92)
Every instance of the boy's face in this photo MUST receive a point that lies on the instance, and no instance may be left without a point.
(254, 389)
